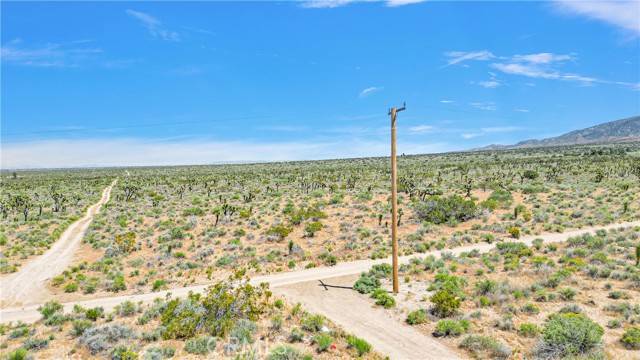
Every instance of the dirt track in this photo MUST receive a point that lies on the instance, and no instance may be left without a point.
(27, 286)
(355, 314)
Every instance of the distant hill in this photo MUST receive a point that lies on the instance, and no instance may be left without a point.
(614, 131)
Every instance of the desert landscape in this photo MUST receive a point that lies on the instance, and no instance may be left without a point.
(320, 179)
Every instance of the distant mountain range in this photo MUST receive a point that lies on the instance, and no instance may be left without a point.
(614, 131)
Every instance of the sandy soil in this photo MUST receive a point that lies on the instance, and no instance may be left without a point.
(355, 313)
(28, 285)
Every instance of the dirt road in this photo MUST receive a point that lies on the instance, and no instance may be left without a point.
(28, 285)
(343, 306)
(356, 314)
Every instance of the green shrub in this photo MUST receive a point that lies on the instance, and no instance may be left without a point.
(118, 284)
(101, 338)
(243, 331)
(569, 334)
(528, 330)
(631, 338)
(381, 271)
(502, 197)
(448, 327)
(50, 308)
(445, 303)
(35, 344)
(296, 335)
(18, 354)
(417, 317)
(361, 345)
(217, 312)
(159, 353)
(123, 353)
(79, 326)
(366, 284)
(567, 293)
(182, 318)
(440, 210)
(383, 298)
(312, 228)
(514, 231)
(280, 231)
(485, 347)
(94, 313)
(201, 345)
(312, 323)
(284, 352)
(323, 341)
(18, 332)
(159, 284)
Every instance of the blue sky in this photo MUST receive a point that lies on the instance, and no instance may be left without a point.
(140, 83)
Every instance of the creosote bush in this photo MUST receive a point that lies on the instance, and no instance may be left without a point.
(569, 334)
(440, 210)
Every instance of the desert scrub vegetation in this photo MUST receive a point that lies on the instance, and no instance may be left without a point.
(575, 299)
(178, 226)
(231, 320)
(37, 206)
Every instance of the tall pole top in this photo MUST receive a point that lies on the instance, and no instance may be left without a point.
(395, 110)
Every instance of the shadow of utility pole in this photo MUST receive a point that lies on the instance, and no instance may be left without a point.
(327, 286)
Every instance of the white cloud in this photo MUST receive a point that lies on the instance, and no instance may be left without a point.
(487, 105)
(470, 135)
(446, 101)
(395, 3)
(421, 129)
(622, 14)
(370, 90)
(537, 65)
(49, 55)
(328, 4)
(319, 4)
(490, 130)
(154, 26)
(136, 152)
(490, 84)
(542, 58)
(457, 57)
(534, 71)
(522, 110)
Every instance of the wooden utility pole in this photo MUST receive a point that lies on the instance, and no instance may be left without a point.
(394, 198)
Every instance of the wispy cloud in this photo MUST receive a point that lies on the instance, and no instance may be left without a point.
(521, 110)
(535, 71)
(49, 55)
(484, 105)
(324, 4)
(154, 26)
(421, 129)
(138, 152)
(395, 3)
(543, 58)
(490, 130)
(445, 101)
(622, 14)
(457, 57)
(370, 90)
(470, 135)
(542, 65)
